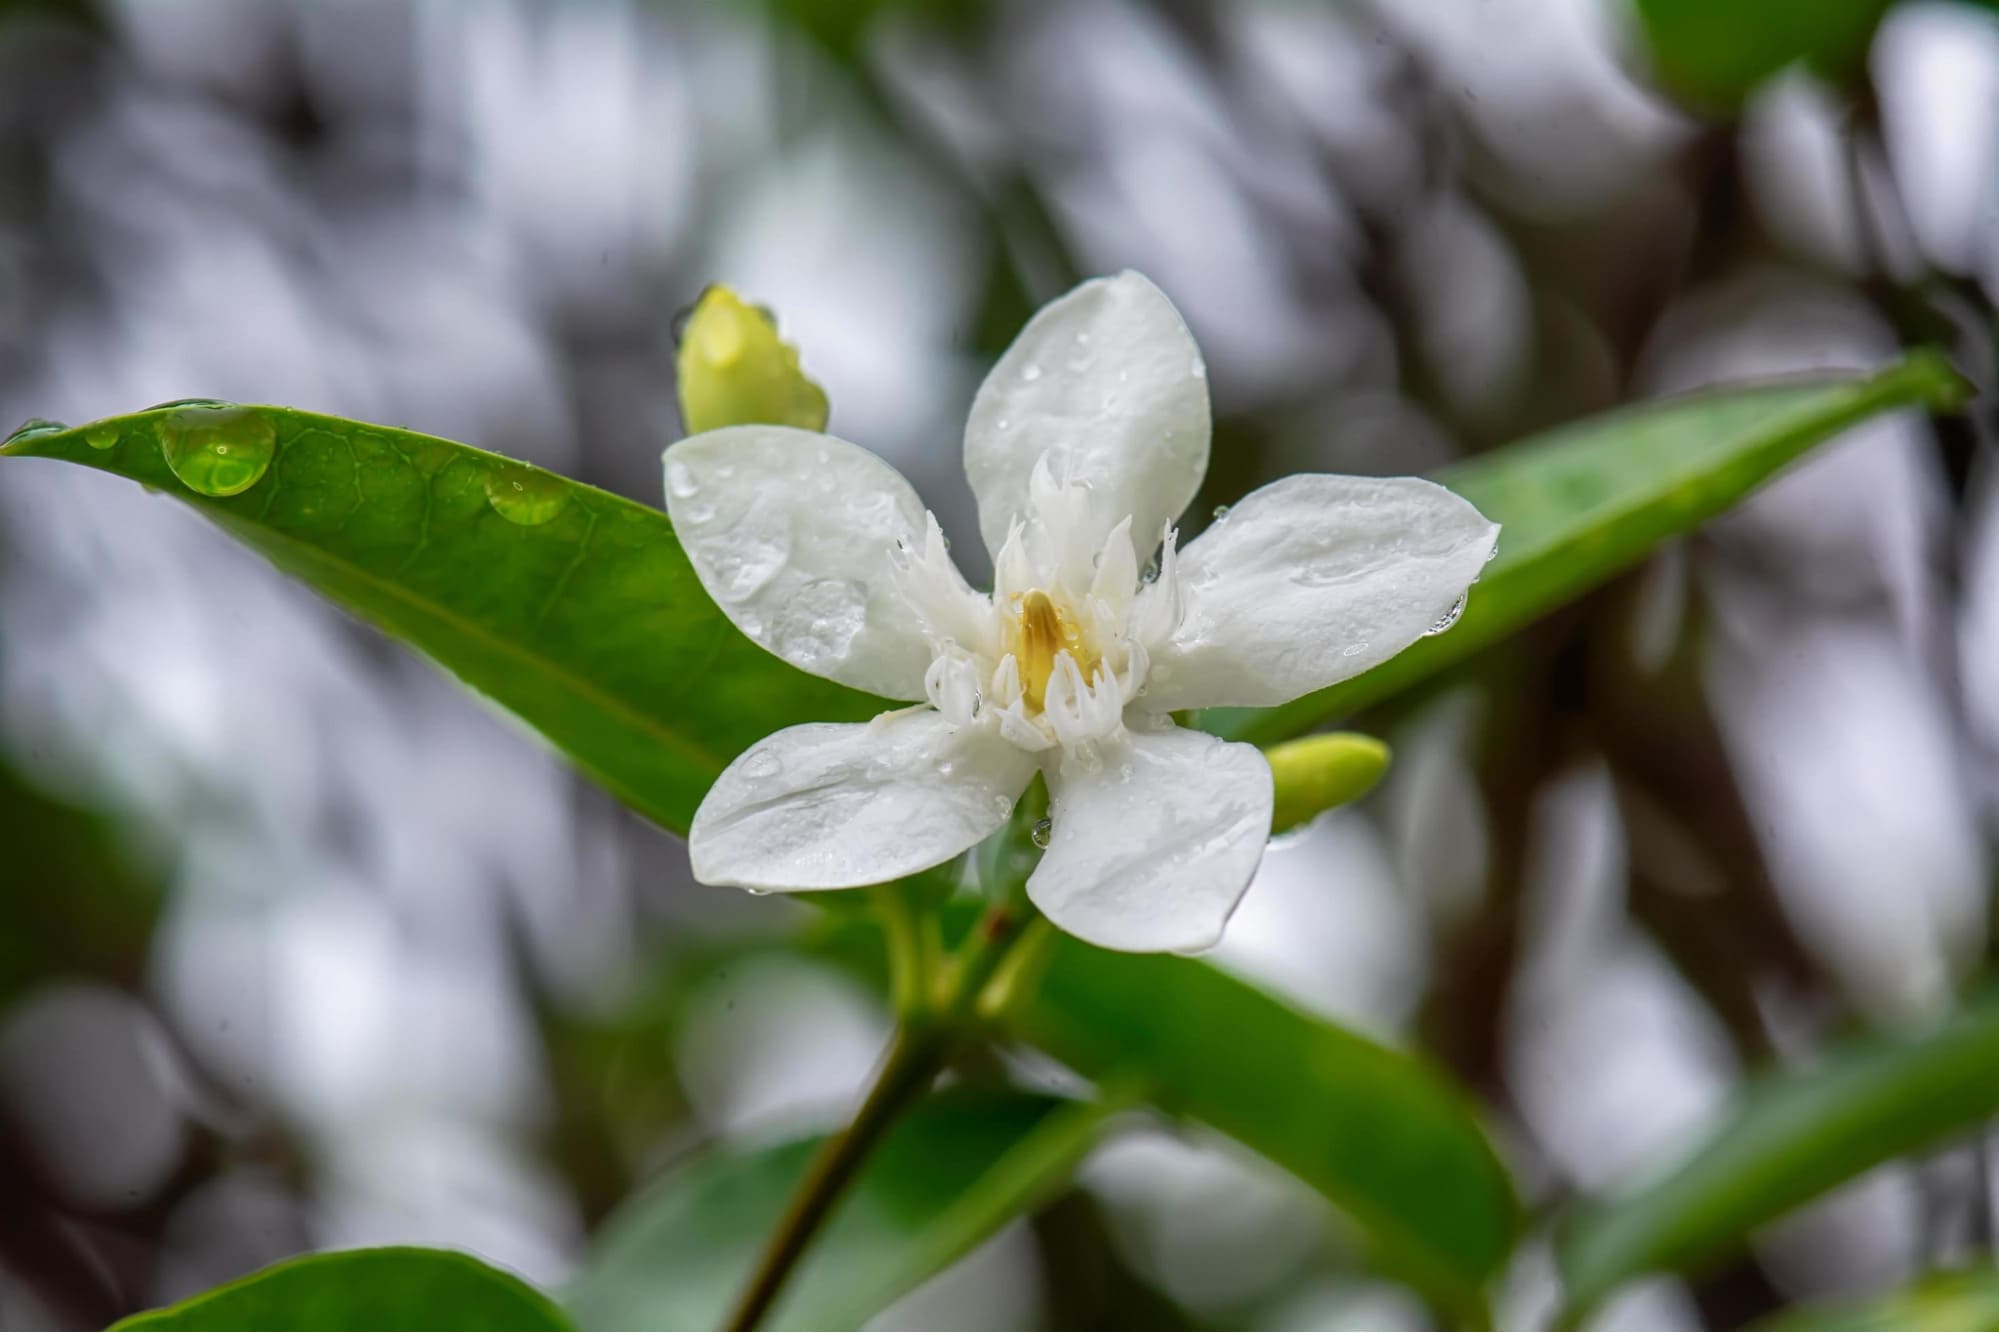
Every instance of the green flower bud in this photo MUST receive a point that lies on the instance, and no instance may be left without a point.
(1316, 773)
(735, 371)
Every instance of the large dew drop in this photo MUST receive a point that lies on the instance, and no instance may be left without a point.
(1042, 833)
(218, 451)
(1448, 619)
(101, 437)
(34, 426)
(525, 495)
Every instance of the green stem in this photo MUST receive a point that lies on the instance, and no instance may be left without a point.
(913, 1059)
(1025, 1177)
(915, 1056)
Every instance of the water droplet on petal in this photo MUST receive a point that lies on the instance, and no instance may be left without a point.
(1198, 370)
(525, 495)
(755, 892)
(1030, 372)
(1003, 806)
(1449, 617)
(1001, 424)
(218, 451)
(1222, 512)
(680, 481)
(101, 437)
(945, 768)
(763, 764)
(1353, 650)
(1042, 834)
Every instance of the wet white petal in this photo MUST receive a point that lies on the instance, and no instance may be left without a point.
(836, 805)
(1308, 581)
(1107, 382)
(1154, 841)
(793, 534)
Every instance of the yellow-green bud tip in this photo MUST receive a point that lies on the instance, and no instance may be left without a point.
(734, 370)
(1314, 774)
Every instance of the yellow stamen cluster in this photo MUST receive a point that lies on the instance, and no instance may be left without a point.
(1039, 628)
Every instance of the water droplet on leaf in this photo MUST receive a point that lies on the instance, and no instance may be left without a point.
(218, 451)
(35, 426)
(525, 495)
(1042, 833)
(191, 402)
(101, 437)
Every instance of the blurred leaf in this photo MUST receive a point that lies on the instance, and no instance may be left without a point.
(1785, 1140)
(1967, 1299)
(1584, 502)
(1715, 52)
(677, 1254)
(395, 1288)
(77, 899)
(1388, 1139)
(573, 607)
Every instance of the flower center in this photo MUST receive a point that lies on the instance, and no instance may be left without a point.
(1039, 629)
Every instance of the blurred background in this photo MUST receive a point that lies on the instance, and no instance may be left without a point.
(303, 946)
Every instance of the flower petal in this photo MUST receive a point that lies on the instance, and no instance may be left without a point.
(1308, 581)
(836, 805)
(1154, 845)
(1108, 383)
(794, 534)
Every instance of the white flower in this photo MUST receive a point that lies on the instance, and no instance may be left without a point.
(1086, 441)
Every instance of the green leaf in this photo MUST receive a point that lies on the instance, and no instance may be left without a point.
(1587, 501)
(677, 1254)
(572, 607)
(1968, 1299)
(1715, 52)
(395, 1288)
(1786, 1140)
(1388, 1139)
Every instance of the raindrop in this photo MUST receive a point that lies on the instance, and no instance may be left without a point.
(680, 482)
(1003, 806)
(1221, 512)
(1030, 373)
(945, 768)
(1449, 617)
(1150, 574)
(1042, 833)
(1083, 339)
(524, 495)
(218, 451)
(1001, 424)
(191, 402)
(763, 764)
(101, 437)
(1353, 650)
(35, 426)
(1198, 370)
(755, 892)
(978, 706)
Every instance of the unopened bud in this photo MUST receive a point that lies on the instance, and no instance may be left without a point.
(735, 371)
(1317, 773)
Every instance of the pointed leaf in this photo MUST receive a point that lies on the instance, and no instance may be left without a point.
(1387, 1138)
(1784, 1141)
(572, 607)
(1587, 501)
(394, 1288)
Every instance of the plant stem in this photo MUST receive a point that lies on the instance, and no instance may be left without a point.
(918, 1051)
(913, 1059)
